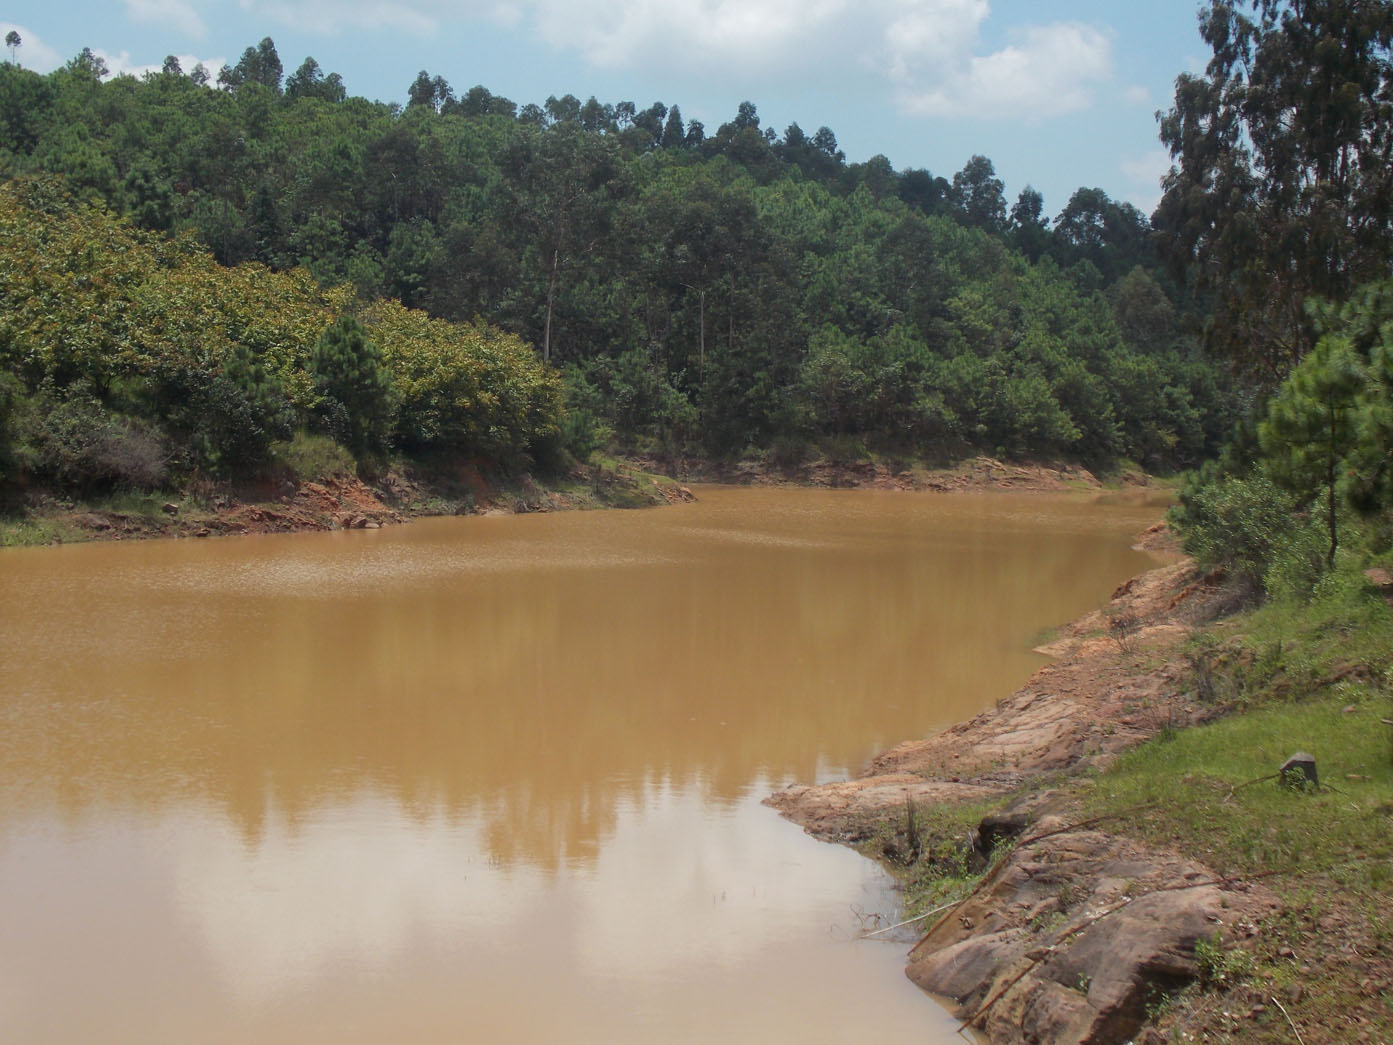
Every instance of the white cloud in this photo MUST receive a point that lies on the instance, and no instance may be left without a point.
(120, 63)
(1145, 172)
(32, 52)
(933, 35)
(690, 34)
(1148, 167)
(419, 17)
(928, 53)
(1137, 95)
(176, 13)
(1050, 71)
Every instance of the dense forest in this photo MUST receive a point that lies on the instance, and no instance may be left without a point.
(1279, 209)
(688, 291)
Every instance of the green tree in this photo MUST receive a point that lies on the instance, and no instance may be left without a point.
(259, 64)
(1281, 188)
(978, 195)
(1030, 229)
(354, 385)
(1109, 235)
(563, 181)
(428, 92)
(674, 131)
(1311, 426)
(309, 81)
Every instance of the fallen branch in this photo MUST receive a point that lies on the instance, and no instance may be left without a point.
(911, 921)
(1090, 922)
(1085, 824)
(991, 875)
(1279, 1005)
(1239, 787)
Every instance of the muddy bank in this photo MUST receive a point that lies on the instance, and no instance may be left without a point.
(974, 474)
(1076, 934)
(337, 503)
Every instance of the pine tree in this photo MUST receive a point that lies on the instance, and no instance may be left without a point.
(355, 387)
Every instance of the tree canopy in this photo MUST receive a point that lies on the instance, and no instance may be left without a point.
(702, 292)
(1281, 188)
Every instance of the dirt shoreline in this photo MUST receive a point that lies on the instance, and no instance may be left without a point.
(341, 503)
(1076, 934)
(976, 474)
(346, 502)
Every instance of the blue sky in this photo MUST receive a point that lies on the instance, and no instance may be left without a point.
(1058, 94)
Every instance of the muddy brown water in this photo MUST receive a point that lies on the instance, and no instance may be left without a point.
(497, 778)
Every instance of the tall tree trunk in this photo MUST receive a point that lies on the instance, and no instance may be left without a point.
(551, 300)
(701, 352)
(1330, 489)
(730, 315)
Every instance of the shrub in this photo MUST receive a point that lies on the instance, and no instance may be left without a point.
(229, 414)
(473, 391)
(79, 445)
(309, 457)
(12, 404)
(1239, 524)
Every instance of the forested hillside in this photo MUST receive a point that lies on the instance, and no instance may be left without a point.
(708, 292)
(129, 359)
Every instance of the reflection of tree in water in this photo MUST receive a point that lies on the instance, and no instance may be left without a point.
(539, 706)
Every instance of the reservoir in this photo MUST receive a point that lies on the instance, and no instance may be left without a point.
(498, 778)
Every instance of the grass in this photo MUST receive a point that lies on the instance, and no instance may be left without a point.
(148, 506)
(312, 457)
(927, 850)
(1206, 803)
(29, 533)
(1312, 677)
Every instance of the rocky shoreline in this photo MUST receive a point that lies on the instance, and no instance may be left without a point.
(1075, 934)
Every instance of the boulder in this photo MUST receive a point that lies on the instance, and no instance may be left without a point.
(1074, 935)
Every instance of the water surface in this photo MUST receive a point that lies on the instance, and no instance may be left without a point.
(496, 777)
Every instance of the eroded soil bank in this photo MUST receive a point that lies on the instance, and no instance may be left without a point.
(346, 502)
(1077, 934)
(335, 503)
(973, 474)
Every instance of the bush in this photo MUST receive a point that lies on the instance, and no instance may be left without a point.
(229, 415)
(12, 404)
(1300, 563)
(310, 457)
(1241, 525)
(471, 391)
(79, 445)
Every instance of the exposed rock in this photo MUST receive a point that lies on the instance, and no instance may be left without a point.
(979, 473)
(1010, 822)
(1084, 709)
(1081, 931)
(841, 812)
(169, 508)
(1077, 930)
